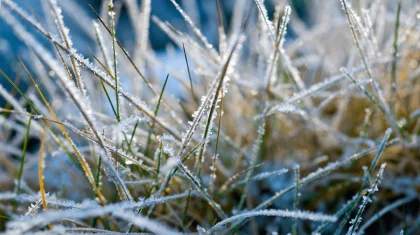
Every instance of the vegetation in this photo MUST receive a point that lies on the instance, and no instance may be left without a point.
(284, 125)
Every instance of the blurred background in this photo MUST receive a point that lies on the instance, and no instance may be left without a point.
(77, 13)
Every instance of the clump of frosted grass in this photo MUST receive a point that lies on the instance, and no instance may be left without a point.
(277, 92)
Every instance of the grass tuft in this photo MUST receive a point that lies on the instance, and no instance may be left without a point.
(271, 110)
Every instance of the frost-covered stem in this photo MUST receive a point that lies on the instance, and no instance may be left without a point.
(197, 32)
(199, 113)
(346, 7)
(170, 175)
(92, 68)
(41, 163)
(220, 90)
(207, 132)
(221, 30)
(125, 53)
(380, 103)
(263, 10)
(143, 32)
(196, 182)
(144, 222)
(64, 32)
(366, 199)
(111, 14)
(101, 44)
(41, 166)
(255, 154)
(261, 176)
(319, 173)
(278, 45)
(88, 210)
(328, 82)
(46, 56)
(395, 54)
(296, 201)
(349, 206)
(86, 112)
(382, 212)
(216, 151)
(345, 209)
(273, 212)
(387, 111)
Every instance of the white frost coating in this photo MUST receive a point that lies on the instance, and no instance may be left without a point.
(144, 222)
(323, 171)
(90, 66)
(7, 196)
(279, 41)
(314, 88)
(125, 125)
(180, 38)
(264, 15)
(60, 23)
(101, 43)
(261, 176)
(283, 26)
(195, 29)
(385, 210)
(197, 115)
(272, 212)
(143, 30)
(64, 32)
(203, 191)
(33, 208)
(67, 85)
(10, 99)
(28, 17)
(170, 164)
(216, 99)
(254, 157)
(366, 199)
(90, 210)
(321, 86)
(80, 58)
(356, 17)
(283, 108)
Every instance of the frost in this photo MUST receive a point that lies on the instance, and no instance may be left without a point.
(252, 67)
(194, 28)
(102, 44)
(144, 222)
(261, 176)
(365, 200)
(305, 215)
(7, 196)
(264, 15)
(170, 164)
(66, 84)
(89, 210)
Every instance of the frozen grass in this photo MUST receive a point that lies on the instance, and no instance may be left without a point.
(267, 135)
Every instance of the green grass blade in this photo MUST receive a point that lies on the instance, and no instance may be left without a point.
(20, 92)
(23, 158)
(149, 136)
(111, 14)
